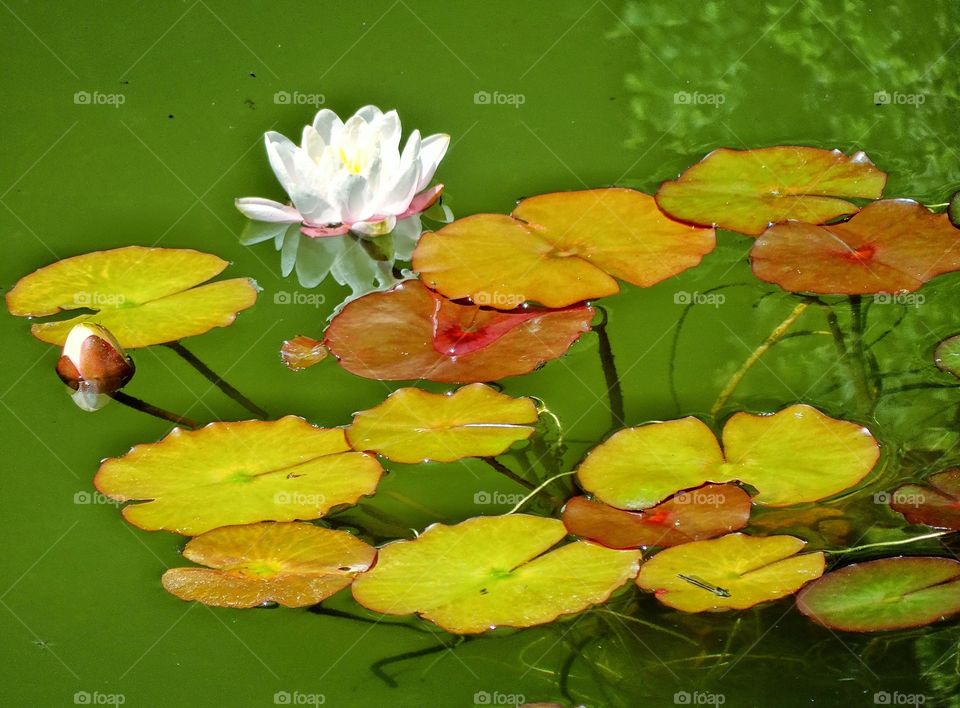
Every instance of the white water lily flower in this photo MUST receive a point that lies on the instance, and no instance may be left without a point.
(350, 176)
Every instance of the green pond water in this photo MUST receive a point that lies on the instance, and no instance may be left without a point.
(611, 93)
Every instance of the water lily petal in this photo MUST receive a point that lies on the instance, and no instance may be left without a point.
(375, 227)
(312, 143)
(397, 199)
(423, 201)
(268, 210)
(432, 151)
(349, 193)
(389, 127)
(280, 152)
(369, 113)
(327, 123)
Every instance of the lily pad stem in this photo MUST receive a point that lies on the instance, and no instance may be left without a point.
(144, 407)
(884, 544)
(774, 336)
(216, 379)
(539, 488)
(610, 375)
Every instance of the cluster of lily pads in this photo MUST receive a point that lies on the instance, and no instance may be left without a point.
(669, 505)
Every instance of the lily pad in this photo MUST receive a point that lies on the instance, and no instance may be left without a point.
(747, 190)
(227, 474)
(695, 515)
(885, 594)
(729, 573)
(953, 209)
(302, 352)
(558, 249)
(144, 296)
(936, 503)
(794, 456)
(291, 564)
(891, 246)
(947, 355)
(492, 571)
(411, 332)
(418, 426)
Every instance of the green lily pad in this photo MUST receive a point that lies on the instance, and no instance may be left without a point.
(143, 296)
(492, 571)
(747, 190)
(417, 426)
(885, 594)
(227, 474)
(733, 572)
(796, 455)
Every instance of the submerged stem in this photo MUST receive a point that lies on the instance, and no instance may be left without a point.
(774, 336)
(216, 379)
(144, 407)
(866, 389)
(507, 472)
(610, 375)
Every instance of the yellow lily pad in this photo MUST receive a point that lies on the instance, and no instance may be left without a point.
(558, 249)
(291, 564)
(238, 473)
(144, 296)
(492, 571)
(413, 425)
(794, 456)
(733, 572)
(747, 190)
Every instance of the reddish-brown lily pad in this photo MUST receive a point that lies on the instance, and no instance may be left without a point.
(411, 332)
(936, 503)
(890, 246)
(885, 594)
(558, 249)
(705, 512)
(292, 564)
(747, 190)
